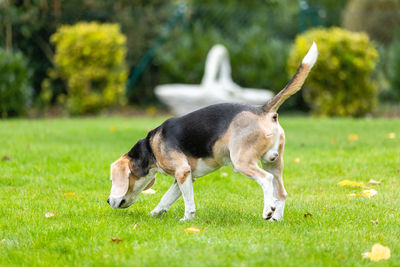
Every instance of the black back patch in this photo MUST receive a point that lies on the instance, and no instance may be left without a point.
(196, 133)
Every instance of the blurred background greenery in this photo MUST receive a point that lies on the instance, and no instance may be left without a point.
(138, 44)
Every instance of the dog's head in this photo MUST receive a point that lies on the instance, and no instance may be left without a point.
(130, 175)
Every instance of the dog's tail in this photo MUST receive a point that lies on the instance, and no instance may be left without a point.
(296, 82)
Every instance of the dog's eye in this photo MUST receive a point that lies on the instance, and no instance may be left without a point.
(275, 117)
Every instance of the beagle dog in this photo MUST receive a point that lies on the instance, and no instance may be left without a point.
(203, 141)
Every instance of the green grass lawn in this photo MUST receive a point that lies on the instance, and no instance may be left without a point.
(53, 157)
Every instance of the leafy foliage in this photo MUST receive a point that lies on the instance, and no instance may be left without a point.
(378, 18)
(340, 83)
(394, 67)
(91, 58)
(15, 91)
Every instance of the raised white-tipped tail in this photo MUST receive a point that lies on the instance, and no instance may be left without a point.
(296, 82)
(311, 56)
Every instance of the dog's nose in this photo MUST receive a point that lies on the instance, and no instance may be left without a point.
(122, 202)
(108, 200)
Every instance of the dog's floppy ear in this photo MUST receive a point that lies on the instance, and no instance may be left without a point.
(120, 171)
(150, 184)
(141, 158)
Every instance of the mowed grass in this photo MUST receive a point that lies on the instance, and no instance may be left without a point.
(53, 157)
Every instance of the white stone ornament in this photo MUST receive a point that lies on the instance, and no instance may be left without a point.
(216, 87)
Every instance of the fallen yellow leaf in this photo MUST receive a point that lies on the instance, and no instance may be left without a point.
(392, 136)
(366, 193)
(192, 230)
(297, 160)
(369, 193)
(134, 227)
(113, 128)
(350, 183)
(377, 253)
(375, 221)
(69, 194)
(224, 174)
(352, 137)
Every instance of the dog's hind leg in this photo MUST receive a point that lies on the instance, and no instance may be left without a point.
(276, 169)
(263, 178)
(169, 198)
(280, 194)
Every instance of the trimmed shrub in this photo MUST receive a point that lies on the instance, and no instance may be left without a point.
(340, 83)
(378, 18)
(90, 57)
(15, 92)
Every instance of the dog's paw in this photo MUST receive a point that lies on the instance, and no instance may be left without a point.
(275, 219)
(268, 213)
(158, 212)
(189, 216)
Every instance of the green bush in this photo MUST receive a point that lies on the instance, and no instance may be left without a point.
(393, 68)
(340, 83)
(15, 92)
(91, 58)
(378, 18)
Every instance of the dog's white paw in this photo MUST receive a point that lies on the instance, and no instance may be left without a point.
(189, 216)
(275, 218)
(158, 211)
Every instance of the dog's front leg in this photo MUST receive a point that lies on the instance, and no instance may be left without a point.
(185, 183)
(167, 200)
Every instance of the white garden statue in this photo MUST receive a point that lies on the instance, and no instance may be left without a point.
(216, 87)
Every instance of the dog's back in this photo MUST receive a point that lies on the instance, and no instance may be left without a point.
(196, 133)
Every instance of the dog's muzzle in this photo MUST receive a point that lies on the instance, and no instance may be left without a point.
(272, 156)
(117, 203)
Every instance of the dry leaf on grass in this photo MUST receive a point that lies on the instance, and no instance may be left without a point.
(297, 160)
(352, 137)
(307, 215)
(149, 192)
(350, 183)
(366, 193)
(377, 253)
(372, 181)
(69, 194)
(375, 221)
(391, 135)
(135, 226)
(116, 239)
(50, 214)
(224, 174)
(5, 158)
(113, 128)
(192, 230)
